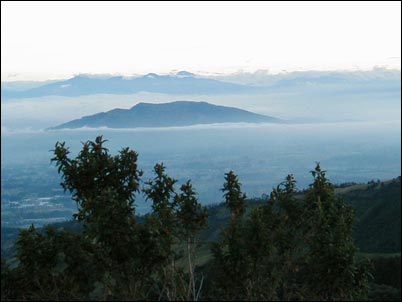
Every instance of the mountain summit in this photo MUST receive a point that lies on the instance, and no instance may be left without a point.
(181, 113)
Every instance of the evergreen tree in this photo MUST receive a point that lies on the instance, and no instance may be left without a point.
(273, 241)
(332, 269)
(192, 218)
(103, 187)
(234, 198)
(161, 192)
(293, 247)
(163, 223)
(230, 252)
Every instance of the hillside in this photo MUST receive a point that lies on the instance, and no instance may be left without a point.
(181, 113)
(377, 208)
(378, 216)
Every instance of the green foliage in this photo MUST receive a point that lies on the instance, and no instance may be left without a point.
(387, 271)
(175, 218)
(103, 187)
(333, 272)
(234, 198)
(162, 223)
(378, 211)
(161, 191)
(290, 249)
(192, 217)
(7, 291)
(384, 293)
(286, 248)
(52, 265)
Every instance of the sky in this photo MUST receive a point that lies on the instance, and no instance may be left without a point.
(54, 40)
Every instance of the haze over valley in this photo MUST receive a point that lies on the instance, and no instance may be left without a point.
(348, 121)
(200, 151)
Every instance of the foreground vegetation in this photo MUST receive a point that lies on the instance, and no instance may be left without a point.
(286, 248)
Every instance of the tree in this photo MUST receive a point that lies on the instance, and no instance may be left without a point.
(163, 223)
(53, 265)
(333, 271)
(291, 248)
(103, 187)
(161, 192)
(234, 198)
(192, 218)
(295, 246)
(273, 246)
(230, 252)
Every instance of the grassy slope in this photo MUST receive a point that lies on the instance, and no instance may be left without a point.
(377, 208)
(378, 216)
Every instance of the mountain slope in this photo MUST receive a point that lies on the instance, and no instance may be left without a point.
(378, 216)
(181, 113)
(377, 210)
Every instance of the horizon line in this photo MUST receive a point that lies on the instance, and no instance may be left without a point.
(262, 71)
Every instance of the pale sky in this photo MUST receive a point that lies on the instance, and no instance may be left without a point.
(52, 40)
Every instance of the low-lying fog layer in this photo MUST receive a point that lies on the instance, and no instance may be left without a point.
(304, 105)
(352, 127)
(262, 154)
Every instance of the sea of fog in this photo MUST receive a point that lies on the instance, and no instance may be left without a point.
(261, 154)
(301, 104)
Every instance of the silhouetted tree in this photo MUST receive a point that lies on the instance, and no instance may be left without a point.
(295, 246)
(332, 269)
(230, 252)
(192, 218)
(103, 187)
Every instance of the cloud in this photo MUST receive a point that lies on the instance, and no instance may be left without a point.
(10, 131)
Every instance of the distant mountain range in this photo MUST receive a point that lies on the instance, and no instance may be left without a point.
(181, 113)
(185, 82)
(182, 82)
